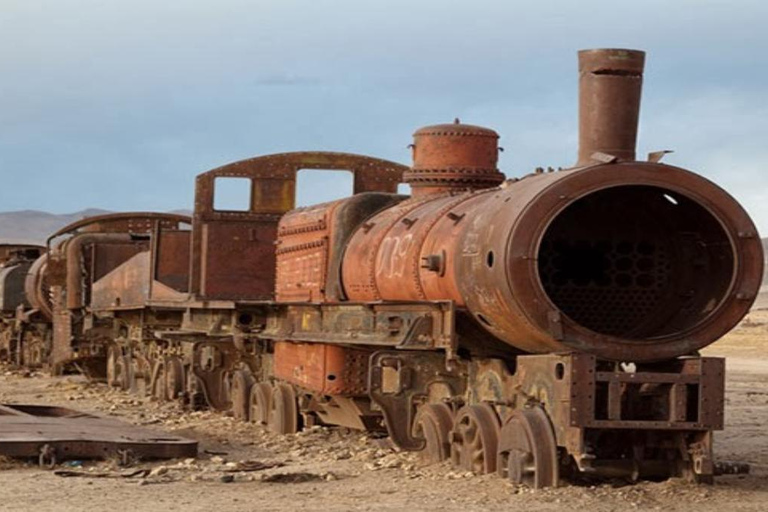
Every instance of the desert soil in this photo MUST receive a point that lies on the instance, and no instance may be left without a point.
(331, 469)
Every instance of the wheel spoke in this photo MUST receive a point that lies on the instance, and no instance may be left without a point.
(474, 444)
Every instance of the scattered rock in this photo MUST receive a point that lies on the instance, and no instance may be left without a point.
(251, 465)
(159, 471)
(291, 478)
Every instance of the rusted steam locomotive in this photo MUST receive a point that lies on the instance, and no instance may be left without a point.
(532, 327)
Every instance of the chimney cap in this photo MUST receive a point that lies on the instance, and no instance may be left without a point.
(609, 60)
(456, 129)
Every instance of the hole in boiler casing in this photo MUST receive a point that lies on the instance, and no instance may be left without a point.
(559, 371)
(484, 320)
(489, 258)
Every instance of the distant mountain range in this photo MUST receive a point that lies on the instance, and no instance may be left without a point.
(33, 226)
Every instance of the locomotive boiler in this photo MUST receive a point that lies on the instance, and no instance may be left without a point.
(606, 258)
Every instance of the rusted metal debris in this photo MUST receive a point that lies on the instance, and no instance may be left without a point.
(134, 473)
(54, 434)
(530, 327)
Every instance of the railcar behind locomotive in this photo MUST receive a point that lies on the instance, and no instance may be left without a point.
(533, 327)
(48, 317)
(15, 261)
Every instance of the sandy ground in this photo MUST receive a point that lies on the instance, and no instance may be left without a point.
(328, 469)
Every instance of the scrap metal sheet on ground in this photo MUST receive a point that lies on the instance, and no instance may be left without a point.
(54, 434)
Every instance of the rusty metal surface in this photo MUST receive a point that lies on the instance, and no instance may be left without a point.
(453, 157)
(37, 288)
(610, 83)
(613, 420)
(78, 279)
(62, 284)
(9, 252)
(400, 381)
(12, 278)
(171, 258)
(69, 434)
(604, 258)
(311, 244)
(408, 251)
(536, 264)
(303, 253)
(628, 292)
(405, 325)
(527, 450)
(233, 252)
(321, 368)
(475, 439)
(124, 222)
(126, 287)
(433, 424)
(145, 275)
(361, 258)
(581, 392)
(15, 262)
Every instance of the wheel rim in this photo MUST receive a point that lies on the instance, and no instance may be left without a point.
(241, 391)
(122, 377)
(111, 367)
(260, 403)
(174, 378)
(225, 390)
(195, 396)
(139, 377)
(528, 449)
(474, 439)
(158, 381)
(433, 424)
(283, 413)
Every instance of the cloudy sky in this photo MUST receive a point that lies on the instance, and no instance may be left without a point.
(118, 104)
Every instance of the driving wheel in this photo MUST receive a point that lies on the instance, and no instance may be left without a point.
(474, 439)
(260, 403)
(284, 411)
(528, 450)
(174, 378)
(242, 381)
(433, 424)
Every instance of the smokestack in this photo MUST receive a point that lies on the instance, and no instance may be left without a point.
(610, 83)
